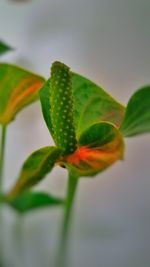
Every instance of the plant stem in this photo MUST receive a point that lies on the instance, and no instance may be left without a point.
(2, 154)
(62, 253)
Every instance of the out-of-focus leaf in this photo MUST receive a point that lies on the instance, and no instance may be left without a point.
(4, 48)
(91, 105)
(137, 117)
(99, 147)
(34, 169)
(28, 201)
(18, 88)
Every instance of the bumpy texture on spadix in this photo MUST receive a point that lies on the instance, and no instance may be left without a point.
(61, 102)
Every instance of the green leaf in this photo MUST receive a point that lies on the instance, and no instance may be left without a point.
(4, 48)
(137, 117)
(35, 168)
(28, 201)
(98, 134)
(18, 88)
(91, 105)
(99, 147)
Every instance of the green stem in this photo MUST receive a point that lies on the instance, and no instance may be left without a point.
(72, 185)
(2, 154)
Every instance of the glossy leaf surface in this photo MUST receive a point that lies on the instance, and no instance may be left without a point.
(99, 147)
(28, 201)
(91, 105)
(18, 88)
(137, 116)
(35, 168)
(98, 134)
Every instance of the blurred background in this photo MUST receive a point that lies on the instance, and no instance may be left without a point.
(107, 41)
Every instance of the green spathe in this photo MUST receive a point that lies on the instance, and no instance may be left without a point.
(98, 134)
(99, 147)
(91, 105)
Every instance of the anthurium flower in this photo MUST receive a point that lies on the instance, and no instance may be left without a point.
(84, 152)
(91, 151)
(87, 126)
